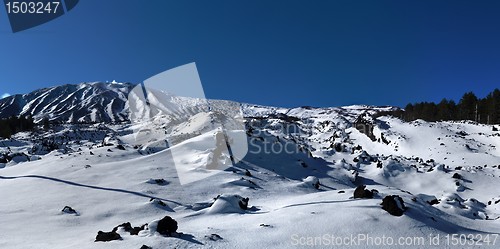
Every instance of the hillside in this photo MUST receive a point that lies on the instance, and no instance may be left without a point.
(300, 176)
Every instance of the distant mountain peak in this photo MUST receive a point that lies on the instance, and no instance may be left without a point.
(107, 102)
(84, 102)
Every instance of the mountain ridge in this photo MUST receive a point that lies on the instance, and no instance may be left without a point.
(97, 102)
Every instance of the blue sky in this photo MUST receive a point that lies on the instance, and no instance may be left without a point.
(283, 53)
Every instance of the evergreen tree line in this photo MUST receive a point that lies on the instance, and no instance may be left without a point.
(14, 124)
(470, 107)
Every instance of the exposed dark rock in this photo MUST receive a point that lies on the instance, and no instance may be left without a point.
(338, 147)
(283, 117)
(159, 181)
(316, 185)
(157, 201)
(3, 159)
(128, 228)
(167, 226)
(394, 205)
(68, 210)
(247, 173)
(364, 125)
(120, 147)
(146, 247)
(361, 192)
(107, 236)
(244, 203)
(457, 176)
(433, 202)
(356, 148)
(384, 139)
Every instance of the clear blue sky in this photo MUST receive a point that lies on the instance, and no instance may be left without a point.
(283, 53)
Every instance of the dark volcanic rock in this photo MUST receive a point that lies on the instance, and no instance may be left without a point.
(433, 202)
(107, 236)
(247, 173)
(68, 210)
(361, 192)
(136, 230)
(394, 205)
(167, 226)
(127, 227)
(244, 203)
(338, 147)
(364, 124)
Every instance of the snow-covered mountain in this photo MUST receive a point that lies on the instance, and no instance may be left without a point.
(85, 102)
(303, 176)
(100, 102)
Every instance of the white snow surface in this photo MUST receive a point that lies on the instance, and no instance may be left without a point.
(289, 151)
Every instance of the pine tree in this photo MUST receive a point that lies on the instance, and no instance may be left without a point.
(493, 106)
(5, 131)
(445, 110)
(467, 106)
(486, 110)
(409, 112)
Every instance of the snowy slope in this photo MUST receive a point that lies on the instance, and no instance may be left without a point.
(85, 102)
(110, 177)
